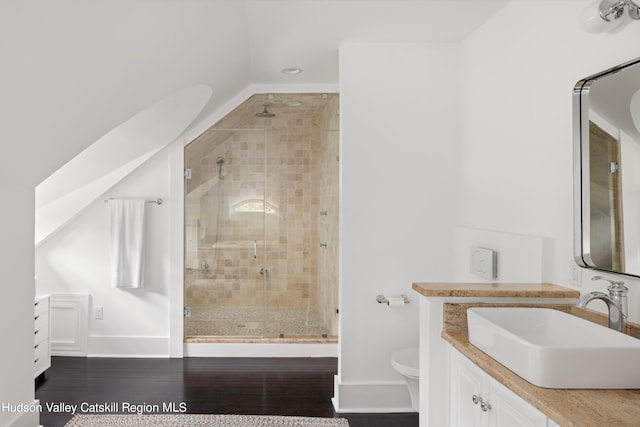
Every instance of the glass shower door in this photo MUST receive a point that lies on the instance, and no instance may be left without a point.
(225, 267)
(293, 247)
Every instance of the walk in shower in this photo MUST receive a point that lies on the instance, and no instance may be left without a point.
(261, 223)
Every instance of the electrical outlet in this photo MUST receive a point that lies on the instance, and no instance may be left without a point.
(575, 273)
(98, 313)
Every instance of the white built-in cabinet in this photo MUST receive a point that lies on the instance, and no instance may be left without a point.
(478, 400)
(42, 334)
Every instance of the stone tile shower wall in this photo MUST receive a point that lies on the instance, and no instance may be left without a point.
(224, 217)
(292, 238)
(220, 224)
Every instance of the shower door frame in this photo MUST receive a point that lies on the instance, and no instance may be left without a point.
(278, 285)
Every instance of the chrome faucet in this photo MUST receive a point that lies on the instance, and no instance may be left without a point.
(616, 302)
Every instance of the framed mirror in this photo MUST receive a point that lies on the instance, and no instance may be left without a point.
(606, 109)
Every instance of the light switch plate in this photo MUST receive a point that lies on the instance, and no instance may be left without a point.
(483, 262)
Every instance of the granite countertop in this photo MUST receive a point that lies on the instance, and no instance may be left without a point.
(567, 407)
(494, 290)
(273, 340)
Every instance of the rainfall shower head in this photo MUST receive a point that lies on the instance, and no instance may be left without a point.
(265, 112)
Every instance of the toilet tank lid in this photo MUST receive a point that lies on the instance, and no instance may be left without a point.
(407, 361)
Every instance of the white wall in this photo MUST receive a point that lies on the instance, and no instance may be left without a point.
(76, 259)
(517, 73)
(398, 157)
(123, 149)
(520, 257)
(16, 301)
(63, 92)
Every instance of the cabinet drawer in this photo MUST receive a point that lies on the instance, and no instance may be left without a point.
(40, 365)
(41, 350)
(41, 347)
(41, 335)
(41, 306)
(41, 322)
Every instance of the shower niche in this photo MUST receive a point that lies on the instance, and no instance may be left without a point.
(257, 183)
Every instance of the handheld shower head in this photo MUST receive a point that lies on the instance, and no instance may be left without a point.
(220, 161)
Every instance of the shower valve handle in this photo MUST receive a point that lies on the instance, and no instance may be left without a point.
(263, 271)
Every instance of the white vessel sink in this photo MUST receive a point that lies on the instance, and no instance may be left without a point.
(553, 349)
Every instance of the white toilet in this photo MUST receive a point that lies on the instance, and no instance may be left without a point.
(407, 363)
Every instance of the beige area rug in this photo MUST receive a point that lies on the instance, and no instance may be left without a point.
(198, 420)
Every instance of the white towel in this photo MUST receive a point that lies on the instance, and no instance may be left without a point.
(126, 223)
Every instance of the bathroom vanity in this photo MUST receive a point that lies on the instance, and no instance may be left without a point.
(466, 387)
(477, 399)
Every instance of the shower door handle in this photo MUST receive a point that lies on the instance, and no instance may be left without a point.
(255, 249)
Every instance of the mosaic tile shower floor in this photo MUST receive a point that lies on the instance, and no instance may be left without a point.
(254, 322)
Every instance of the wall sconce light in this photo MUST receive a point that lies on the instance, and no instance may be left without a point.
(606, 15)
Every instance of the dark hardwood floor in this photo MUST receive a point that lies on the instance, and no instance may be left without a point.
(301, 387)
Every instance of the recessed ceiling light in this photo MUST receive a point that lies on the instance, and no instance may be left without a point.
(292, 70)
(294, 103)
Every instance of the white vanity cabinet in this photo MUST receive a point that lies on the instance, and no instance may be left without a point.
(41, 335)
(478, 400)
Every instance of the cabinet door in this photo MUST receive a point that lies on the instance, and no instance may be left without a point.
(466, 382)
(510, 410)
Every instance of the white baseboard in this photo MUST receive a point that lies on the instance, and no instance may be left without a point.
(260, 350)
(128, 346)
(386, 397)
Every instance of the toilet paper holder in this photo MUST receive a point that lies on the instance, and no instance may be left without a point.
(384, 300)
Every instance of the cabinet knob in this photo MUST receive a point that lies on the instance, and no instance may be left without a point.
(483, 405)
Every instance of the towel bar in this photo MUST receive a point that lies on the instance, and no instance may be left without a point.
(157, 201)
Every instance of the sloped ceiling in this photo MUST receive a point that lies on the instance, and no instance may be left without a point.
(72, 70)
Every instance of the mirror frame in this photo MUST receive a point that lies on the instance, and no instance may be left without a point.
(581, 181)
